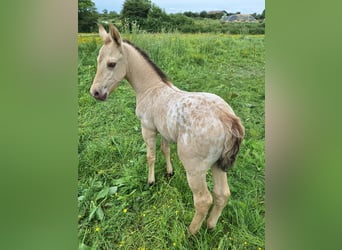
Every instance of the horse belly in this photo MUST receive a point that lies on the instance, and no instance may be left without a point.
(167, 128)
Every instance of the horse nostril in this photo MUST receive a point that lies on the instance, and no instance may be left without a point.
(97, 94)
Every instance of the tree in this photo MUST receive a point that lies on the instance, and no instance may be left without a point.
(203, 14)
(157, 20)
(87, 16)
(135, 11)
(191, 14)
(262, 16)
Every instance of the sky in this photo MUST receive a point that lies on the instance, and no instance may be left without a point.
(179, 6)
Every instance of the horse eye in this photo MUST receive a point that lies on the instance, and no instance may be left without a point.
(111, 65)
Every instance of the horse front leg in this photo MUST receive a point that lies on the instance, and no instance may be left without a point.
(150, 140)
(165, 148)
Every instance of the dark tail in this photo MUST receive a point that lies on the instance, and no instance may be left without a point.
(234, 135)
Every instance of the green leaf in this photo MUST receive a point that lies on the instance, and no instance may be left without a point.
(112, 190)
(83, 246)
(97, 184)
(99, 213)
(91, 215)
(102, 194)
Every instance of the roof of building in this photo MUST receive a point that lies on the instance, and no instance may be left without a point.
(239, 18)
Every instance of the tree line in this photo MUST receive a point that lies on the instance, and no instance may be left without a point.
(147, 16)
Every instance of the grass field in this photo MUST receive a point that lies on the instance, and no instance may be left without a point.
(117, 209)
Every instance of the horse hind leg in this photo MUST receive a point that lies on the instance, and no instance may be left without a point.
(202, 198)
(165, 148)
(221, 194)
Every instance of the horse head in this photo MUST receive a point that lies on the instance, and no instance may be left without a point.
(111, 66)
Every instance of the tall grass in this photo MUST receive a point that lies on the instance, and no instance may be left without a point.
(117, 209)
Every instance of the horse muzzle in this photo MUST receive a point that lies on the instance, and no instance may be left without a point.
(98, 94)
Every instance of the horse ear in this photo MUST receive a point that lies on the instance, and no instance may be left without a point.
(114, 33)
(104, 35)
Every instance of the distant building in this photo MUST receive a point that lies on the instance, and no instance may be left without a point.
(240, 18)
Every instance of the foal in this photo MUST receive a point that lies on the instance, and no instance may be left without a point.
(207, 132)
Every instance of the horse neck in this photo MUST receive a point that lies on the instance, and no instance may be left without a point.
(140, 73)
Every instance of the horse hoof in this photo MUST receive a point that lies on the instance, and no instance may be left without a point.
(193, 231)
(151, 183)
(169, 175)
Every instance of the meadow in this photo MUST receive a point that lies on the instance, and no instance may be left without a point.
(117, 209)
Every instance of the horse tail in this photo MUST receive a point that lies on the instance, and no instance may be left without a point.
(234, 134)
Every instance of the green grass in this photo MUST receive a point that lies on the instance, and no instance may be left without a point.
(117, 209)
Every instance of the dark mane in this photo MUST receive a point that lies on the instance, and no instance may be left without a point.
(160, 73)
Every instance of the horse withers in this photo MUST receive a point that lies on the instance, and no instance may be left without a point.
(207, 131)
